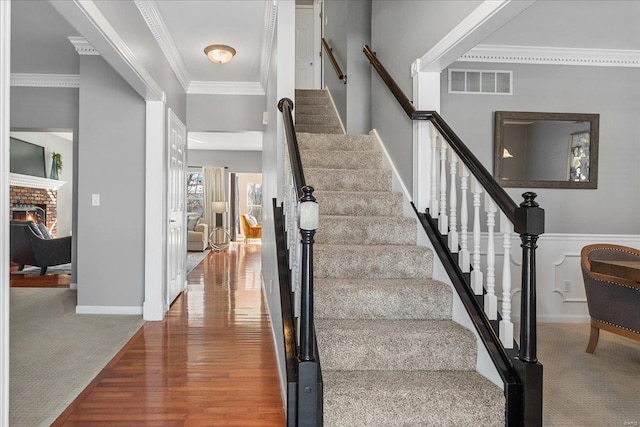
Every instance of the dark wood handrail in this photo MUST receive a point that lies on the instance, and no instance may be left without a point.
(333, 61)
(286, 106)
(499, 195)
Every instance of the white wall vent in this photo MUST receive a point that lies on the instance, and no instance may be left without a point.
(485, 82)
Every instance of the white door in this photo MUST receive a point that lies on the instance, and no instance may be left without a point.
(307, 53)
(176, 205)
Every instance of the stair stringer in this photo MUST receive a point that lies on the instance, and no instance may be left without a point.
(484, 364)
(335, 108)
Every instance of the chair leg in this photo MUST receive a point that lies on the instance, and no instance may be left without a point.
(43, 270)
(593, 339)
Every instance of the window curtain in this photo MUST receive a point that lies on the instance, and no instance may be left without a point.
(213, 192)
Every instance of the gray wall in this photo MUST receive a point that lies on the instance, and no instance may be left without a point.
(208, 113)
(125, 17)
(236, 161)
(112, 164)
(402, 31)
(611, 92)
(347, 28)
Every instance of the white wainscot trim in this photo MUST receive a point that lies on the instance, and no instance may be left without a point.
(561, 296)
(109, 309)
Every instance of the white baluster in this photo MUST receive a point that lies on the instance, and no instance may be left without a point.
(443, 221)
(434, 172)
(490, 299)
(453, 203)
(463, 255)
(506, 326)
(476, 274)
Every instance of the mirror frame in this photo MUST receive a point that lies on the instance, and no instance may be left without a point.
(502, 116)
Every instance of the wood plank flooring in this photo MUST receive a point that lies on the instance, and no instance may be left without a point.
(211, 362)
(20, 280)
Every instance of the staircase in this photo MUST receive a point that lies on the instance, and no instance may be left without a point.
(390, 353)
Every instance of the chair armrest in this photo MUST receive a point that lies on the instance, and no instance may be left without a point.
(202, 228)
(51, 252)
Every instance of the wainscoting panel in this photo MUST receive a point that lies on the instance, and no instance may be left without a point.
(560, 293)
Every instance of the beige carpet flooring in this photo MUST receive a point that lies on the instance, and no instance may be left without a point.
(581, 389)
(55, 353)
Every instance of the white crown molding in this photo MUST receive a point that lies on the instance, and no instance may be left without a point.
(225, 88)
(158, 28)
(270, 12)
(82, 46)
(469, 29)
(552, 55)
(45, 80)
(85, 16)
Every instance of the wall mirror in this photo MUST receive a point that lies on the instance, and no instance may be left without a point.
(546, 150)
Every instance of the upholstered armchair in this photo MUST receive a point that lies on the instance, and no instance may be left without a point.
(250, 227)
(197, 234)
(28, 246)
(614, 303)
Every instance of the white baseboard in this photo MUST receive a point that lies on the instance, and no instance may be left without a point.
(108, 309)
(564, 318)
(344, 130)
(73, 285)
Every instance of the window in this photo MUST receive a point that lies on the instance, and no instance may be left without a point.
(254, 200)
(484, 82)
(195, 193)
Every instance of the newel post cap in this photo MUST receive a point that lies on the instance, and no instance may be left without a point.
(529, 216)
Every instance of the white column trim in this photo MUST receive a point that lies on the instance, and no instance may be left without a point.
(155, 207)
(5, 127)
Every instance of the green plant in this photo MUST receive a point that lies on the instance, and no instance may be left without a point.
(58, 159)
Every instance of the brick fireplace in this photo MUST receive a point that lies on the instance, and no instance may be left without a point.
(21, 198)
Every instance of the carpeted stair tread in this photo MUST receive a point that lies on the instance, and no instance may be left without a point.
(374, 261)
(411, 398)
(323, 109)
(311, 93)
(354, 230)
(359, 203)
(330, 129)
(382, 299)
(317, 119)
(341, 159)
(321, 142)
(410, 345)
(348, 180)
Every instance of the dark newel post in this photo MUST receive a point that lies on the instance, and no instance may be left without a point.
(309, 391)
(529, 223)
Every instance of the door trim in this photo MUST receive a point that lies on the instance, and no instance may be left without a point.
(155, 213)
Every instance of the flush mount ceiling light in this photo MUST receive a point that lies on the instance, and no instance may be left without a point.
(219, 53)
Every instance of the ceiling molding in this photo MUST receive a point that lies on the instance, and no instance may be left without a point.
(45, 80)
(270, 12)
(86, 17)
(482, 21)
(225, 88)
(158, 28)
(82, 46)
(552, 55)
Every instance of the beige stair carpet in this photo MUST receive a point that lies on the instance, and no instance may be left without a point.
(390, 353)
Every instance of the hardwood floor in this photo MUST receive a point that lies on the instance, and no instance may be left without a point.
(211, 362)
(19, 280)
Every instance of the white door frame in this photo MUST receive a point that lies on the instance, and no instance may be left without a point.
(155, 281)
(5, 127)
